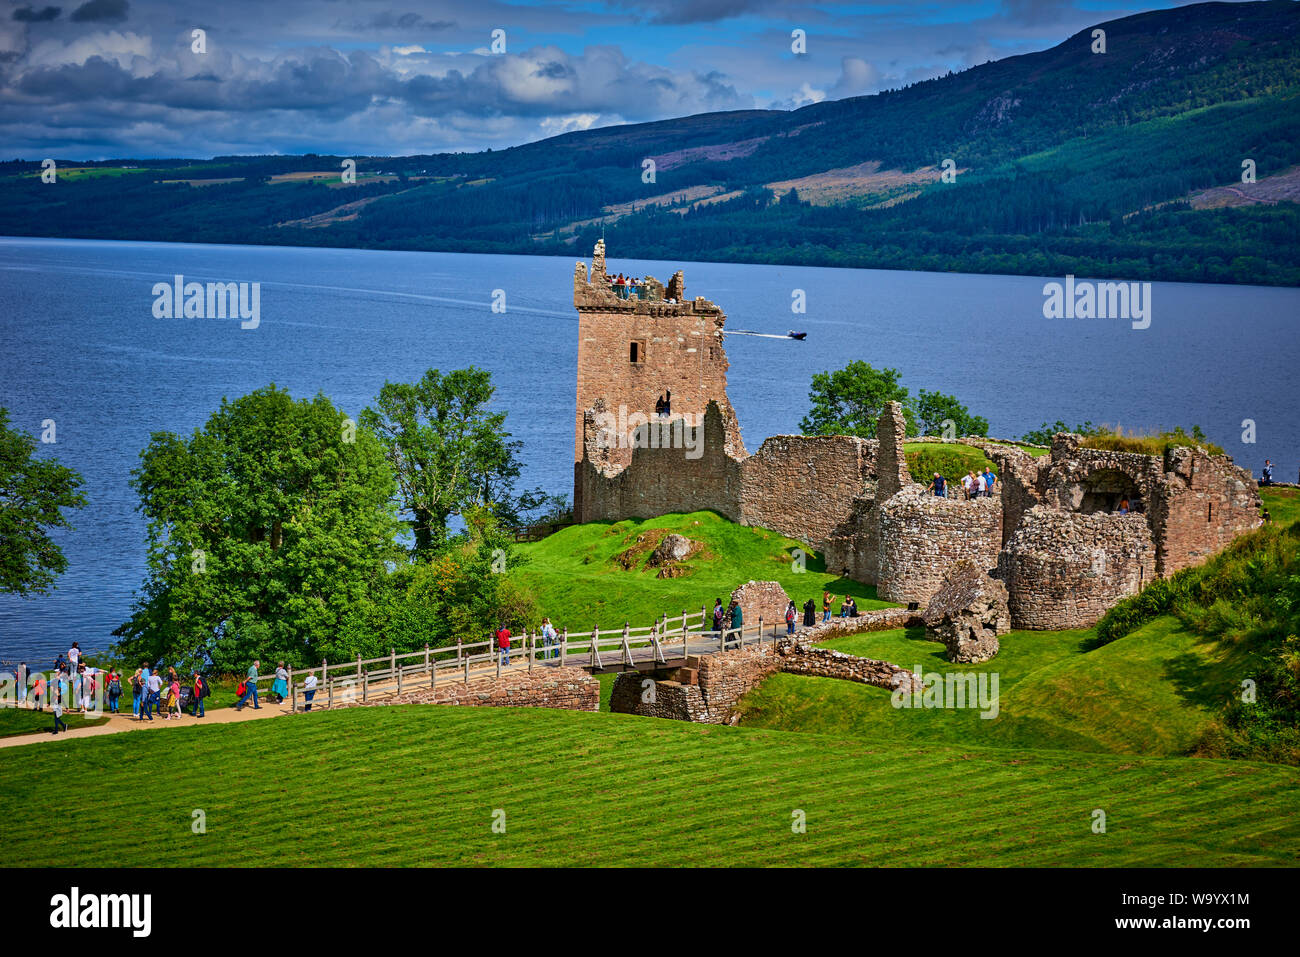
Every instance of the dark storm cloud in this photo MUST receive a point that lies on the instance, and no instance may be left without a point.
(101, 11)
(407, 23)
(32, 15)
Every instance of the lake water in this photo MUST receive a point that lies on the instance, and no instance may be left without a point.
(81, 346)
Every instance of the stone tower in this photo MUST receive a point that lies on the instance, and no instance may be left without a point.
(636, 348)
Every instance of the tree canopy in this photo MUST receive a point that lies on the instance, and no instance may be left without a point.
(269, 530)
(35, 494)
(448, 450)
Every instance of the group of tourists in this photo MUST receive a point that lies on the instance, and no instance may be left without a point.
(152, 693)
(625, 286)
(974, 484)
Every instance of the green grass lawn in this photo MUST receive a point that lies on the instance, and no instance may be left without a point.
(1151, 692)
(1283, 504)
(418, 786)
(581, 584)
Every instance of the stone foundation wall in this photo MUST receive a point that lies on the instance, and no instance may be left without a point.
(922, 535)
(570, 689)
(798, 658)
(1066, 570)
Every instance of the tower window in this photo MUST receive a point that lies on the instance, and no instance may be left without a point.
(637, 352)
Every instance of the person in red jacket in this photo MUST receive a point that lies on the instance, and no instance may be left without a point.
(503, 644)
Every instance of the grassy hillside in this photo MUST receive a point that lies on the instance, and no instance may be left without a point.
(580, 580)
(419, 785)
(1153, 692)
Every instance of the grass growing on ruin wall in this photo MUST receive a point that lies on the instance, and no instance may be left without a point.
(1116, 439)
(419, 785)
(596, 575)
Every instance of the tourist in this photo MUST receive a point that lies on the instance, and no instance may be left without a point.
(56, 706)
(88, 683)
(791, 615)
(114, 688)
(38, 693)
(978, 489)
(989, 480)
(58, 663)
(827, 600)
(1266, 476)
(137, 692)
(280, 686)
(938, 486)
(503, 644)
(309, 689)
(852, 605)
(74, 657)
(738, 620)
(967, 481)
(548, 639)
(174, 698)
(809, 613)
(844, 607)
(718, 615)
(200, 691)
(22, 683)
(250, 687)
(1123, 506)
(153, 695)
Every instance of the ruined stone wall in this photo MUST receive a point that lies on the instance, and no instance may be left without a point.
(723, 679)
(799, 658)
(765, 600)
(570, 689)
(1066, 569)
(853, 547)
(660, 481)
(803, 486)
(1205, 502)
(921, 535)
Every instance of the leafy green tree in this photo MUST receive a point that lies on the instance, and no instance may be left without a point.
(34, 494)
(449, 451)
(934, 408)
(269, 529)
(849, 401)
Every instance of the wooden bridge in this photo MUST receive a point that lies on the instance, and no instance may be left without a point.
(665, 644)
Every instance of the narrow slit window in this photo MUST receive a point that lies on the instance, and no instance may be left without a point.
(636, 352)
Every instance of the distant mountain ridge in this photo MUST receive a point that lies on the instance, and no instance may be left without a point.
(1064, 160)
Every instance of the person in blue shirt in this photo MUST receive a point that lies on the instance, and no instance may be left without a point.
(1266, 476)
(938, 486)
(250, 687)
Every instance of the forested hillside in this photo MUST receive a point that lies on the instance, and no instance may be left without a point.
(1067, 160)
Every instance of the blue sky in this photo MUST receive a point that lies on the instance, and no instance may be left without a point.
(118, 78)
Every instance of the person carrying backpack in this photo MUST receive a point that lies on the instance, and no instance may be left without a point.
(503, 644)
(114, 689)
(791, 614)
(249, 685)
(718, 615)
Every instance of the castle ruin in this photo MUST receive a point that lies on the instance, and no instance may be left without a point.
(1051, 532)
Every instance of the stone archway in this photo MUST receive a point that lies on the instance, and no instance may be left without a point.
(1104, 489)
